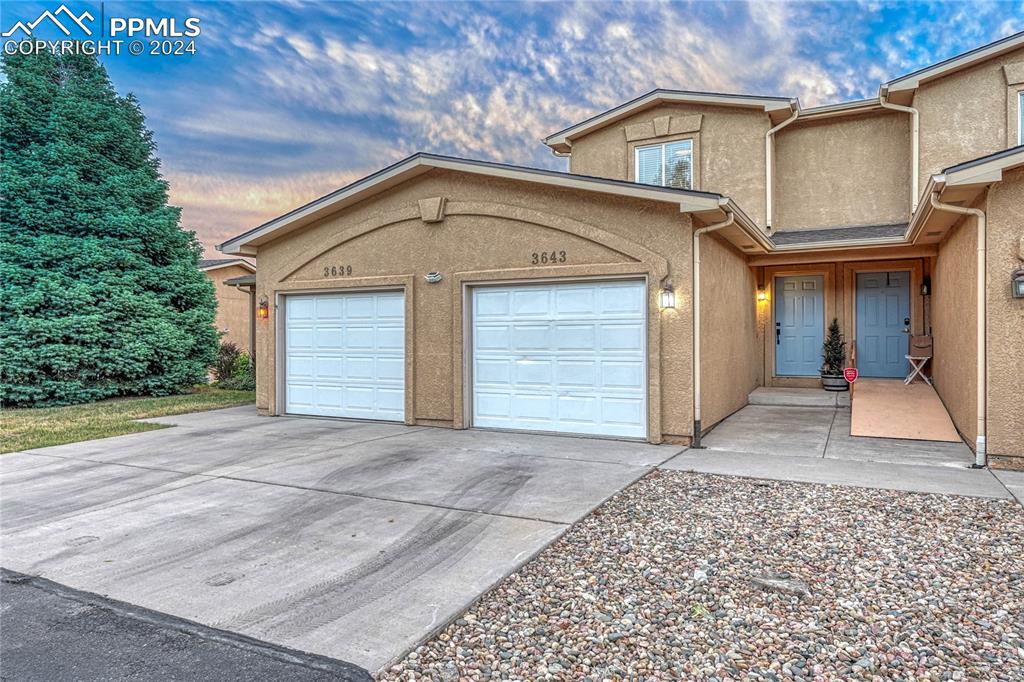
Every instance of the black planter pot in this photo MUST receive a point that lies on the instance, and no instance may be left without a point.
(834, 382)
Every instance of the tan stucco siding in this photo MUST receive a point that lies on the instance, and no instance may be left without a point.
(729, 146)
(851, 170)
(731, 345)
(967, 114)
(954, 326)
(1005, 317)
(232, 306)
(490, 231)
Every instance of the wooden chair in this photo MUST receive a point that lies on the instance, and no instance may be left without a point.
(919, 354)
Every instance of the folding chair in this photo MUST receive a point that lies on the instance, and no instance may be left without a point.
(919, 355)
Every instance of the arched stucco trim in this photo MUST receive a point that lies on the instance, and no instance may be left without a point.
(609, 240)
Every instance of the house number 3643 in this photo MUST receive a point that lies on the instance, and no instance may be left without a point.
(337, 271)
(545, 257)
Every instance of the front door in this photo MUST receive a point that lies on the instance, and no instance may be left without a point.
(799, 325)
(883, 323)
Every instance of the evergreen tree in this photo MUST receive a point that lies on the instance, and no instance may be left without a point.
(100, 291)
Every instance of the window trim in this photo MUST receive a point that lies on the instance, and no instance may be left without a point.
(641, 145)
(1020, 117)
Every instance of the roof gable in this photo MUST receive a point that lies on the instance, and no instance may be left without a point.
(561, 141)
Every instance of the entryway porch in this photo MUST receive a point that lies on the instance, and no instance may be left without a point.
(812, 423)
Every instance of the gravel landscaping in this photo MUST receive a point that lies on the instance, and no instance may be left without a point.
(691, 576)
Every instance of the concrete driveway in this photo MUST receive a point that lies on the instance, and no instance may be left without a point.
(347, 539)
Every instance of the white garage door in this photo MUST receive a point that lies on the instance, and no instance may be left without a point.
(345, 355)
(561, 357)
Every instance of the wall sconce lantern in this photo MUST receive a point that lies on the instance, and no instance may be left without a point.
(762, 295)
(263, 309)
(667, 299)
(1017, 283)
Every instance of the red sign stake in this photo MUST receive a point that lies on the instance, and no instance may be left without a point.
(850, 374)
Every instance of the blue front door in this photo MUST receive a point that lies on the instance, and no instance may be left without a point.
(799, 325)
(883, 323)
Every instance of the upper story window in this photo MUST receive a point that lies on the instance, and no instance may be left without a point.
(666, 165)
(1020, 117)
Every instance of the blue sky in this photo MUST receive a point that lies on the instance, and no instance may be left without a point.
(285, 101)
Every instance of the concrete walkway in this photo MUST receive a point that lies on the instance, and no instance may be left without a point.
(814, 445)
(353, 540)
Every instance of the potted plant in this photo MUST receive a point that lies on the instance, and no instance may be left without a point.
(834, 355)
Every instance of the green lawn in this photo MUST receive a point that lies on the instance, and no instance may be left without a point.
(37, 428)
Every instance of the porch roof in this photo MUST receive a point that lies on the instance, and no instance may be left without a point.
(833, 236)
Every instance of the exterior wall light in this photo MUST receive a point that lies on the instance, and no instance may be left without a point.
(667, 300)
(762, 295)
(1017, 283)
(263, 309)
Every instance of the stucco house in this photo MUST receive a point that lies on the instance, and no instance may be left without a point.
(696, 249)
(234, 304)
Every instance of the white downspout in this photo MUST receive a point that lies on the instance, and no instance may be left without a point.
(768, 158)
(980, 452)
(915, 144)
(730, 218)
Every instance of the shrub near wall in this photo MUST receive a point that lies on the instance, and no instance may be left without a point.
(100, 292)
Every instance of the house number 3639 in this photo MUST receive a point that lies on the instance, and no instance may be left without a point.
(545, 257)
(337, 271)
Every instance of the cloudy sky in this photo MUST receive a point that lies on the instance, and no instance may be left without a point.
(285, 101)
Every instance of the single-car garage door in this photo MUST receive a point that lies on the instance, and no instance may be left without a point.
(345, 355)
(561, 357)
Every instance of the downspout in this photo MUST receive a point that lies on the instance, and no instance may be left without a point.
(252, 329)
(769, 138)
(915, 144)
(730, 218)
(980, 452)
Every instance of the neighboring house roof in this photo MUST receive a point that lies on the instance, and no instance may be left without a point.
(215, 263)
(241, 281)
(561, 141)
(707, 205)
(912, 80)
(833, 236)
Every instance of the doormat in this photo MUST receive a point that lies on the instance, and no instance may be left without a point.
(886, 408)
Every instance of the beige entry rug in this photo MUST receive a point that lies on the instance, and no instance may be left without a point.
(886, 408)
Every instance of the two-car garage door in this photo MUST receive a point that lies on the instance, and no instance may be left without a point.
(545, 357)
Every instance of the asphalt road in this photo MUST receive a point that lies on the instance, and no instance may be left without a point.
(53, 633)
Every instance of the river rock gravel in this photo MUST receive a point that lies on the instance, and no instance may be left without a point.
(673, 579)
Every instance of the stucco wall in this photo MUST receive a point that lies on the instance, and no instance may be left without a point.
(849, 170)
(232, 306)
(954, 326)
(731, 343)
(730, 151)
(490, 230)
(965, 114)
(1005, 317)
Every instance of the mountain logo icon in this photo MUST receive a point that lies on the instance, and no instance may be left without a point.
(69, 16)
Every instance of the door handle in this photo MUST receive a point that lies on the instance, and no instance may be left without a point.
(906, 325)
(778, 334)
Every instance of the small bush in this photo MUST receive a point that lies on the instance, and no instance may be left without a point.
(234, 369)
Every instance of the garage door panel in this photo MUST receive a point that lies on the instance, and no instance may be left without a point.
(535, 372)
(531, 337)
(341, 359)
(625, 337)
(530, 303)
(561, 357)
(575, 336)
(623, 300)
(491, 304)
(576, 373)
(622, 374)
(574, 301)
(299, 338)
